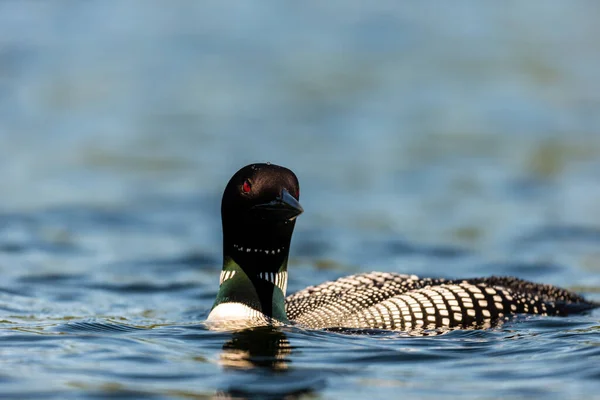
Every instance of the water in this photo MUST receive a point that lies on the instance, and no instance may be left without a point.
(455, 141)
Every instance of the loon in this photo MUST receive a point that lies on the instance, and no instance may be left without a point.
(258, 211)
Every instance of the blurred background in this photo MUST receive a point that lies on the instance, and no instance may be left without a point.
(469, 127)
(454, 139)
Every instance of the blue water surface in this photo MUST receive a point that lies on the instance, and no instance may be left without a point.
(453, 140)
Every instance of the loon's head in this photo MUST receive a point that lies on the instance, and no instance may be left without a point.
(258, 211)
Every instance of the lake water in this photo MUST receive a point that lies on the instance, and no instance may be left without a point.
(459, 140)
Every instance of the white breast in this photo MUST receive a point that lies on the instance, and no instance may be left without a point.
(235, 316)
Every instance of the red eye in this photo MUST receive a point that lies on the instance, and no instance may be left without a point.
(246, 187)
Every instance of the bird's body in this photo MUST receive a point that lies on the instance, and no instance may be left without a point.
(259, 208)
(406, 302)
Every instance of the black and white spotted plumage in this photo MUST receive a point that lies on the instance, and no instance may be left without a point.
(405, 302)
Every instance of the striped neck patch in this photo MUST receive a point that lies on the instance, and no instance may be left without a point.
(258, 251)
(278, 279)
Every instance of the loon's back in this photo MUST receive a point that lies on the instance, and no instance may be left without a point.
(405, 302)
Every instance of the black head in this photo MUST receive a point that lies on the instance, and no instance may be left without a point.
(259, 210)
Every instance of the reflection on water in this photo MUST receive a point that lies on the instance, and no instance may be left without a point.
(265, 355)
(264, 347)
